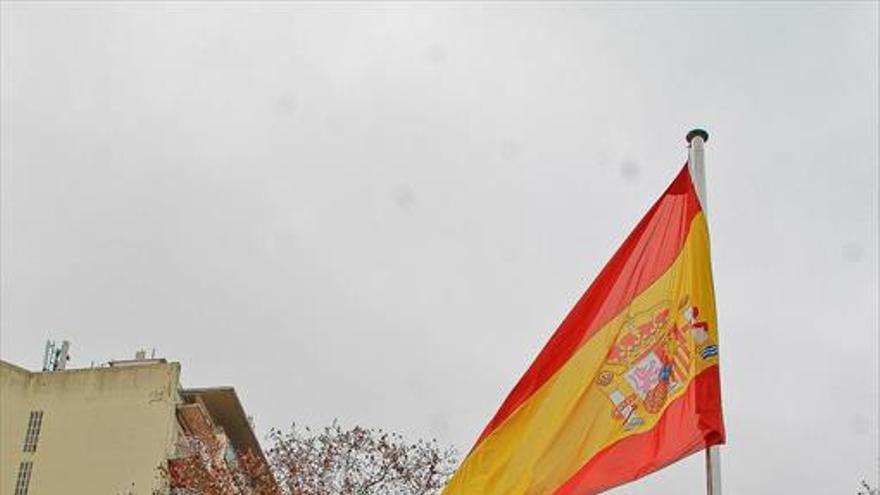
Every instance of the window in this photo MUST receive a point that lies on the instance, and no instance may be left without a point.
(24, 478)
(33, 431)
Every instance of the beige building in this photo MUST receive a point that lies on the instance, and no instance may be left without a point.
(108, 430)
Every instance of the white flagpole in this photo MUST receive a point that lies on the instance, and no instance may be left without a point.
(697, 163)
(697, 168)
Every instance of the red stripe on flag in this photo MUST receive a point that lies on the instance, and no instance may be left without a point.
(690, 423)
(642, 258)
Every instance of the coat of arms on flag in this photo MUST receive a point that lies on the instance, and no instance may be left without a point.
(652, 360)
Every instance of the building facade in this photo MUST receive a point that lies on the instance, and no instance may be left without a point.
(127, 428)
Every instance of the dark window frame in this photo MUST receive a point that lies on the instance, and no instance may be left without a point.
(35, 424)
(23, 481)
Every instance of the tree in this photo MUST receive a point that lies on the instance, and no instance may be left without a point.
(332, 461)
(205, 468)
(339, 461)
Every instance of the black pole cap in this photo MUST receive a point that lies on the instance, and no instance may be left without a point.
(697, 132)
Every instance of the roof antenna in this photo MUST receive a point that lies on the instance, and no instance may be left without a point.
(55, 356)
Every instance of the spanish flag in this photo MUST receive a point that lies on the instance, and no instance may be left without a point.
(629, 381)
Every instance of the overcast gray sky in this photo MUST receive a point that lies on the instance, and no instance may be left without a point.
(380, 212)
